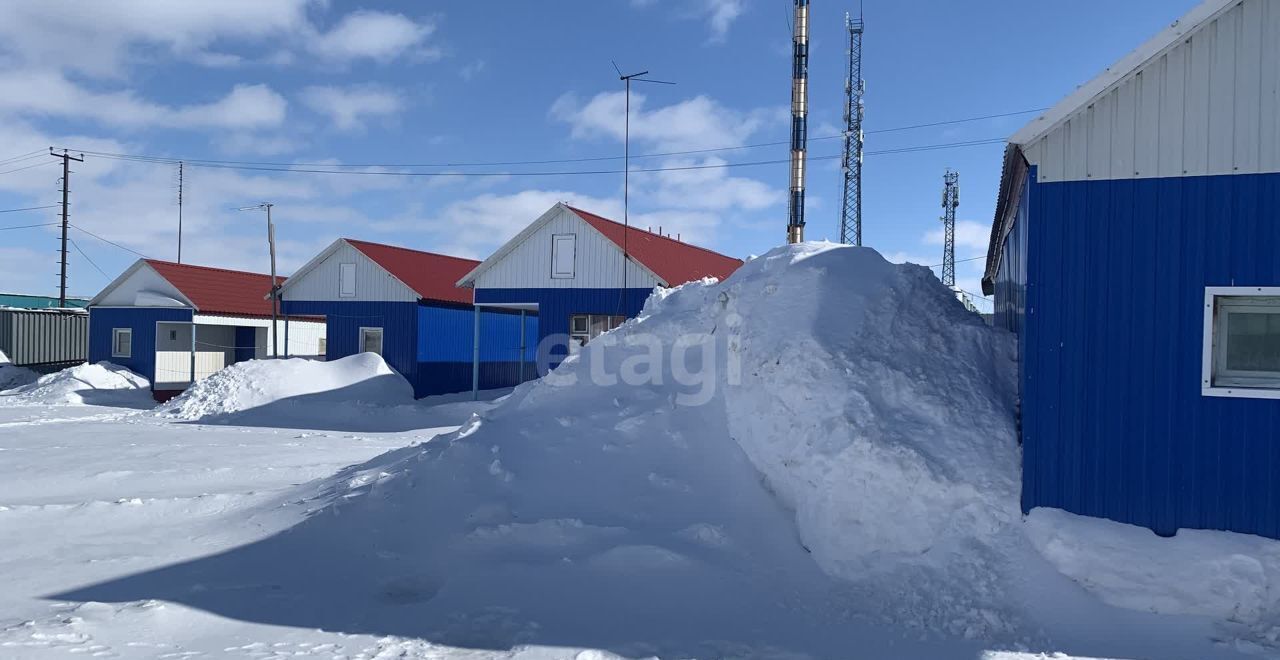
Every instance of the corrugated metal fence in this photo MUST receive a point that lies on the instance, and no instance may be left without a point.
(44, 337)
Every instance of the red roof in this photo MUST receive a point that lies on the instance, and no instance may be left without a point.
(433, 276)
(217, 290)
(674, 261)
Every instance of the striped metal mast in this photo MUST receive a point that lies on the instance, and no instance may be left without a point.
(854, 88)
(799, 121)
(950, 200)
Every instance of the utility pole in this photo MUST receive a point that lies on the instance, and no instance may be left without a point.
(950, 200)
(275, 285)
(180, 168)
(854, 88)
(626, 173)
(66, 178)
(799, 121)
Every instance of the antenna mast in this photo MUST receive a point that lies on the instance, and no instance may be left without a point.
(799, 121)
(950, 200)
(854, 89)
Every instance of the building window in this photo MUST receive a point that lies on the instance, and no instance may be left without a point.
(121, 342)
(371, 340)
(563, 254)
(1242, 342)
(346, 280)
(322, 346)
(585, 327)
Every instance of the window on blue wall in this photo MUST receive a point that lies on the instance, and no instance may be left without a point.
(371, 340)
(585, 327)
(121, 342)
(1242, 347)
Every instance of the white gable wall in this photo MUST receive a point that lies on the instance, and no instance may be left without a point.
(597, 262)
(1207, 105)
(142, 288)
(373, 283)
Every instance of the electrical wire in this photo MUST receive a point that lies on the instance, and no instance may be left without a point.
(109, 241)
(687, 152)
(52, 162)
(86, 257)
(31, 208)
(45, 224)
(22, 157)
(675, 168)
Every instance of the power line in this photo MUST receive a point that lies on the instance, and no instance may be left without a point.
(86, 258)
(30, 208)
(302, 170)
(22, 157)
(589, 159)
(110, 242)
(28, 167)
(43, 224)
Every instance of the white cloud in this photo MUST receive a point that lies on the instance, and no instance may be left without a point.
(696, 123)
(705, 189)
(720, 15)
(348, 107)
(969, 234)
(380, 36)
(474, 227)
(469, 71)
(46, 93)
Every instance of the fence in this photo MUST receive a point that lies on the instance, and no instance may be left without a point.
(35, 338)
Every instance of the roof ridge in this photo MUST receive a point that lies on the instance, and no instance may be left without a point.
(650, 233)
(409, 249)
(222, 270)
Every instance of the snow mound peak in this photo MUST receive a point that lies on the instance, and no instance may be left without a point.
(363, 378)
(102, 383)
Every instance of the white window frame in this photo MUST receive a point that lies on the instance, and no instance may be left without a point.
(1211, 384)
(381, 339)
(346, 275)
(116, 333)
(558, 242)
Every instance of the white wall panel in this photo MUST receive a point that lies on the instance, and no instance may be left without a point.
(1207, 104)
(142, 288)
(598, 261)
(372, 282)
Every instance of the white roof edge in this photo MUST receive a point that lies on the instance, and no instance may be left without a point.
(469, 280)
(137, 265)
(1155, 47)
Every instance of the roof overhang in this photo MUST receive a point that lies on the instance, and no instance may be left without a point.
(1013, 176)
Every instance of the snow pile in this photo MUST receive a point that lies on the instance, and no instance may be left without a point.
(257, 385)
(1225, 576)
(102, 383)
(13, 376)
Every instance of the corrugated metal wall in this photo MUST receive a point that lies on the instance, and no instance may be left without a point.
(555, 306)
(142, 320)
(597, 264)
(1011, 279)
(343, 320)
(445, 343)
(31, 337)
(1114, 423)
(372, 283)
(1209, 105)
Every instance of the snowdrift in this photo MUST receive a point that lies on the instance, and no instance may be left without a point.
(102, 383)
(292, 391)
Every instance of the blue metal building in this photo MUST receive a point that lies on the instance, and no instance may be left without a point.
(177, 323)
(1136, 253)
(585, 274)
(404, 305)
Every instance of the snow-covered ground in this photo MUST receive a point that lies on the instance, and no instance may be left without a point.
(745, 471)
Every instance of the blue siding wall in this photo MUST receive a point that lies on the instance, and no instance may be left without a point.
(555, 306)
(1114, 424)
(246, 341)
(446, 341)
(143, 322)
(1011, 279)
(343, 320)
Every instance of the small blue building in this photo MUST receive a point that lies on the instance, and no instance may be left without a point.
(1135, 251)
(404, 305)
(585, 274)
(178, 323)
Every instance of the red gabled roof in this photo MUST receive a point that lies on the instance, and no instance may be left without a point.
(218, 290)
(432, 276)
(674, 261)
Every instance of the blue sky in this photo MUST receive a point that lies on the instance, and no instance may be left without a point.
(308, 81)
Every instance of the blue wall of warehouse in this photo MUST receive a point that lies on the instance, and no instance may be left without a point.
(555, 306)
(1114, 424)
(430, 345)
(142, 320)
